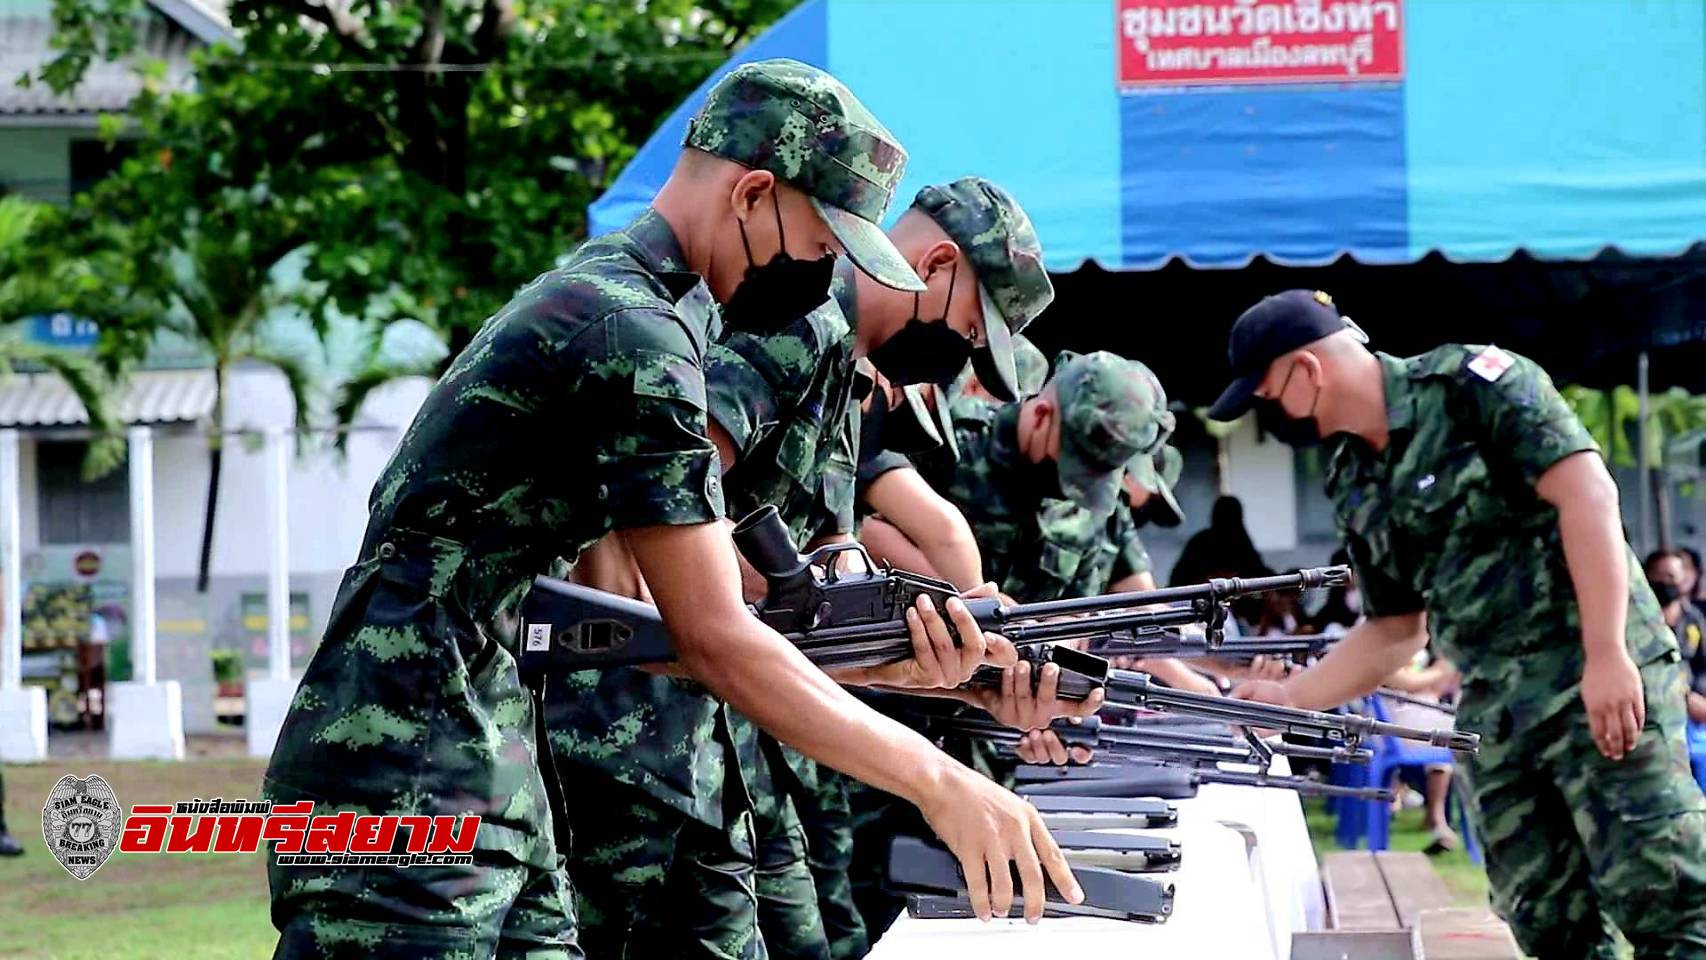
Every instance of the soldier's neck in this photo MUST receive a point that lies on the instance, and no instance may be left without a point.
(1360, 409)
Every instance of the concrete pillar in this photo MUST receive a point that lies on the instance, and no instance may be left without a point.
(146, 716)
(23, 712)
(269, 699)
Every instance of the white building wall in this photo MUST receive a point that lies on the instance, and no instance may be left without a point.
(1262, 474)
(328, 496)
(328, 517)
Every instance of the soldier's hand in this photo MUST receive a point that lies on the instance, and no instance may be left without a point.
(1043, 746)
(936, 660)
(1263, 691)
(1264, 667)
(1016, 705)
(1616, 706)
(990, 830)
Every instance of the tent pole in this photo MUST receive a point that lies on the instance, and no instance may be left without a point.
(1643, 486)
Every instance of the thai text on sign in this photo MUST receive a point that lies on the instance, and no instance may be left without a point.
(1173, 43)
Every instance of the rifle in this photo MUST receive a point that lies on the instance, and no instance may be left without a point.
(1402, 697)
(841, 619)
(917, 867)
(1081, 673)
(1084, 813)
(1092, 734)
(1167, 781)
(1186, 644)
(1123, 750)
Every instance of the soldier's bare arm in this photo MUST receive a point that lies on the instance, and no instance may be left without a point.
(1177, 674)
(1369, 653)
(1591, 528)
(884, 542)
(692, 572)
(930, 521)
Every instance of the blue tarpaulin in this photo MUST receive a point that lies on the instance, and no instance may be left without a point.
(1562, 128)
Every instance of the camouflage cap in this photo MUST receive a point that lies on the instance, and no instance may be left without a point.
(808, 129)
(1030, 364)
(1158, 471)
(929, 404)
(993, 232)
(1111, 411)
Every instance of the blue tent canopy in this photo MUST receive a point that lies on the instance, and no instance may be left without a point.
(1137, 131)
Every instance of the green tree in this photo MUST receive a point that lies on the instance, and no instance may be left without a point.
(431, 156)
(446, 149)
(31, 287)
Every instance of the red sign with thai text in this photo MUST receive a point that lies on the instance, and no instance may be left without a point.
(1195, 42)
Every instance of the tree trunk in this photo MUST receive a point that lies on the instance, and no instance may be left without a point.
(215, 461)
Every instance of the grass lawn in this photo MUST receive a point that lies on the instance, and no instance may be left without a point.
(191, 906)
(214, 906)
(1466, 881)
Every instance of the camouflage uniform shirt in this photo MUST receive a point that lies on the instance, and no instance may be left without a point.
(1034, 546)
(1447, 520)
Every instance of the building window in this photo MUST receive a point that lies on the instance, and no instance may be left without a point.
(74, 510)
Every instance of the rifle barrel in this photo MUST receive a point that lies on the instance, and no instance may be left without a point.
(1132, 689)
(1218, 589)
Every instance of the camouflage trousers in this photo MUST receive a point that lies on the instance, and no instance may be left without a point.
(788, 913)
(650, 881)
(1579, 846)
(828, 825)
(877, 818)
(406, 708)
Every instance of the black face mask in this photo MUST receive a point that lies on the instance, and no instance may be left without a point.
(924, 352)
(779, 292)
(1289, 430)
(1667, 592)
(983, 365)
(1154, 510)
(1042, 479)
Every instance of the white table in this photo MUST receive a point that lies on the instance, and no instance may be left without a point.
(1247, 880)
(1282, 858)
(1216, 902)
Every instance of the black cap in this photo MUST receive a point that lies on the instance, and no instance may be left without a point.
(1269, 330)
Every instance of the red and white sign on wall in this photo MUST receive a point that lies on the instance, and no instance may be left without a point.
(1198, 42)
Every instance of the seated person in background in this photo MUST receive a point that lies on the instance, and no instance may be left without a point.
(1691, 587)
(1667, 571)
(1428, 678)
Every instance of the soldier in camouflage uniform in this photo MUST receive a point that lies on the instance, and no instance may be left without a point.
(412, 704)
(779, 405)
(905, 522)
(1475, 510)
(1028, 362)
(1039, 479)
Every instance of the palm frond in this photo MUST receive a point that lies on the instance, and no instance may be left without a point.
(352, 393)
(93, 390)
(300, 381)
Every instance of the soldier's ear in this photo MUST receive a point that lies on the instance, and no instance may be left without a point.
(938, 256)
(749, 192)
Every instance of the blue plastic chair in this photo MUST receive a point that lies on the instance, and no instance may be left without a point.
(1697, 752)
(1371, 820)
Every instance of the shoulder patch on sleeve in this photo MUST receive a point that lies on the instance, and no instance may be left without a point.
(1491, 363)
